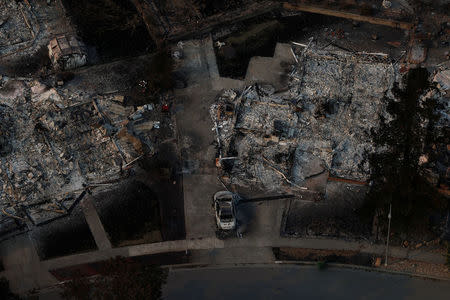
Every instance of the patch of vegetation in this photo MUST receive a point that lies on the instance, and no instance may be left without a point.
(396, 175)
(322, 265)
(119, 278)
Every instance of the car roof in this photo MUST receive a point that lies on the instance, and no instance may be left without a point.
(226, 210)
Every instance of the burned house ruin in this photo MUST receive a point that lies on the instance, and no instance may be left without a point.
(56, 147)
(320, 127)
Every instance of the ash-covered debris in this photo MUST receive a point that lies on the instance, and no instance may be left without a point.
(442, 78)
(6, 131)
(67, 52)
(17, 24)
(55, 145)
(26, 28)
(322, 123)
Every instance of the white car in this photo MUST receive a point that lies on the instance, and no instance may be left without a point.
(224, 208)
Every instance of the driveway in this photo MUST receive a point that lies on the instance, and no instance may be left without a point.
(196, 138)
(197, 144)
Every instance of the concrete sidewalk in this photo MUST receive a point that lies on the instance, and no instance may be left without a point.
(254, 244)
(95, 225)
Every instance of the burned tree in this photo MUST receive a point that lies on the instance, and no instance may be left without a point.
(396, 174)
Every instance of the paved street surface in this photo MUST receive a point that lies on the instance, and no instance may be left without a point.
(297, 282)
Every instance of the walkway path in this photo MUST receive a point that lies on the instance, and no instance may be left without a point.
(95, 225)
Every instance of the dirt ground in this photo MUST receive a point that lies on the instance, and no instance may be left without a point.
(331, 256)
(418, 267)
(62, 237)
(357, 258)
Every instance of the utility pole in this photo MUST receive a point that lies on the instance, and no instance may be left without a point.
(388, 233)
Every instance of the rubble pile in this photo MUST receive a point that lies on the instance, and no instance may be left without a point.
(322, 123)
(55, 147)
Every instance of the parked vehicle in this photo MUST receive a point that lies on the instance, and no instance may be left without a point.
(224, 210)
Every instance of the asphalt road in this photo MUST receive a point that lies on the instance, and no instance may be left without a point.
(297, 282)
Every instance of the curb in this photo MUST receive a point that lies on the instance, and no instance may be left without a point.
(368, 269)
